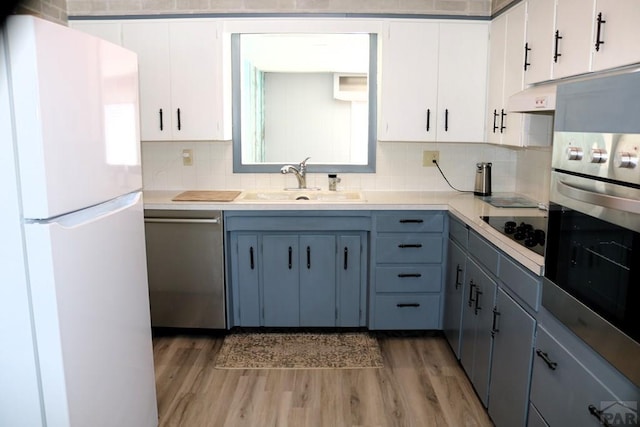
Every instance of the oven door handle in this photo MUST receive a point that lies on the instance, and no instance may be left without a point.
(594, 198)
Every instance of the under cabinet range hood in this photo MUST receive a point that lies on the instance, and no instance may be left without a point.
(536, 99)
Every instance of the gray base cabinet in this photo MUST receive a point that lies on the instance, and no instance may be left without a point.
(513, 330)
(477, 317)
(407, 274)
(572, 386)
(454, 286)
(296, 270)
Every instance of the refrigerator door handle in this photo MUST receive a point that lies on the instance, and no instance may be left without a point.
(92, 213)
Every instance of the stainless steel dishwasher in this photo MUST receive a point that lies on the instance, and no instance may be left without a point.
(185, 262)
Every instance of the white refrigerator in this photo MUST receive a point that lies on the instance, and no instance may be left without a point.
(75, 333)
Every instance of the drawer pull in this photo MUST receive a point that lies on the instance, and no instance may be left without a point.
(410, 304)
(411, 221)
(458, 271)
(494, 329)
(290, 257)
(308, 257)
(251, 260)
(409, 245)
(599, 415)
(471, 286)
(477, 307)
(544, 356)
(346, 257)
(403, 275)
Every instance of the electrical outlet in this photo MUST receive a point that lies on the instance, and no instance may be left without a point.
(187, 157)
(428, 157)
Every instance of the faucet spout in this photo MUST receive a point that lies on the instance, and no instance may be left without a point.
(300, 172)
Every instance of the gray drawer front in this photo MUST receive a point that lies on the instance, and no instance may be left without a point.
(409, 248)
(410, 222)
(458, 232)
(407, 311)
(563, 395)
(409, 278)
(484, 252)
(525, 285)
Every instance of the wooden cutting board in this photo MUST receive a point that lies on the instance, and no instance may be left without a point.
(206, 196)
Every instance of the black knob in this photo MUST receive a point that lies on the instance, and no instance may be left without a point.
(510, 227)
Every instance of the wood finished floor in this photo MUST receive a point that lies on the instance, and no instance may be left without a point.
(420, 385)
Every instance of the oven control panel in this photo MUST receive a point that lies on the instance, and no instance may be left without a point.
(605, 155)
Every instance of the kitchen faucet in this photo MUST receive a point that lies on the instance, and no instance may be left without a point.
(300, 172)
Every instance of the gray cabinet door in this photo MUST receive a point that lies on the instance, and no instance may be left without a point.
(247, 279)
(349, 273)
(452, 320)
(317, 280)
(477, 320)
(514, 331)
(280, 274)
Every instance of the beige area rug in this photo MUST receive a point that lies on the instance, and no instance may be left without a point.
(268, 350)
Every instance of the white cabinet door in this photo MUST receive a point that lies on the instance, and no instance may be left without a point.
(496, 78)
(619, 34)
(181, 79)
(196, 83)
(462, 80)
(514, 72)
(539, 40)
(150, 40)
(506, 76)
(409, 82)
(574, 24)
(110, 31)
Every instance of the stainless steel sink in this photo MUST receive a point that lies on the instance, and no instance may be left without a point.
(300, 195)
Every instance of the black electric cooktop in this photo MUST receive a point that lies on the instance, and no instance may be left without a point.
(529, 231)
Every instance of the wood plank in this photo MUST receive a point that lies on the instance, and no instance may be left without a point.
(421, 384)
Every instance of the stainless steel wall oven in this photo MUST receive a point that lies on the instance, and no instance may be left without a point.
(592, 258)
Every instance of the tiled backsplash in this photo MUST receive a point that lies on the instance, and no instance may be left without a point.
(399, 167)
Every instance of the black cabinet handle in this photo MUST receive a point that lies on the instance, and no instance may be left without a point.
(544, 356)
(495, 119)
(411, 304)
(494, 329)
(477, 307)
(179, 121)
(251, 258)
(409, 245)
(161, 121)
(502, 116)
(599, 414)
(428, 119)
(446, 120)
(346, 257)
(308, 257)
(405, 275)
(556, 54)
(458, 271)
(471, 286)
(290, 257)
(411, 221)
(600, 22)
(526, 56)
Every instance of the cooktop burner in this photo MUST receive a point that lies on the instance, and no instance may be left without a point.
(529, 231)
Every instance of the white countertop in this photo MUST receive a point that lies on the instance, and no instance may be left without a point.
(466, 207)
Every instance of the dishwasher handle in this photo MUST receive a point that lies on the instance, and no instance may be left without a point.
(183, 220)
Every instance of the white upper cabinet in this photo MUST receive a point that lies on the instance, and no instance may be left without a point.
(433, 83)
(462, 82)
(572, 38)
(619, 35)
(181, 79)
(409, 81)
(506, 76)
(539, 42)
